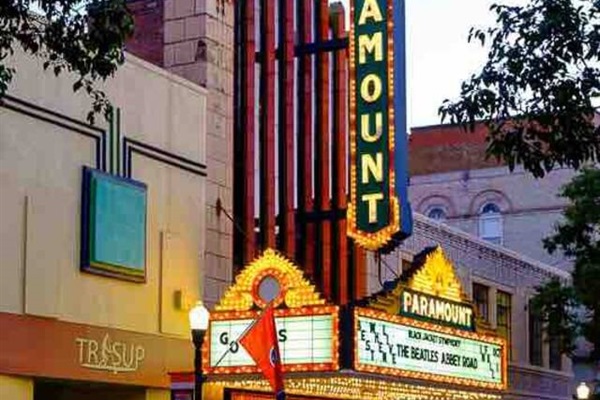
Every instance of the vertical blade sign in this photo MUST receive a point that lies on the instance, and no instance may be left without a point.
(374, 209)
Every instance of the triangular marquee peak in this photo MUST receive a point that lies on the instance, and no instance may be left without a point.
(429, 290)
(270, 278)
(437, 277)
(431, 273)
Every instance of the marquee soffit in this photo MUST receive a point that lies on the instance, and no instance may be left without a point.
(294, 289)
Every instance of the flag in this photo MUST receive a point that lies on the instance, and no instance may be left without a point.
(260, 341)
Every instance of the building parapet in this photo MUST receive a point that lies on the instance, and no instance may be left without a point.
(449, 235)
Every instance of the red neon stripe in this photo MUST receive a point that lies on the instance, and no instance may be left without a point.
(287, 172)
(340, 134)
(322, 148)
(249, 247)
(360, 272)
(306, 136)
(267, 125)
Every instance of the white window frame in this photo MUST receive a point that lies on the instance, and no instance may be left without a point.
(487, 218)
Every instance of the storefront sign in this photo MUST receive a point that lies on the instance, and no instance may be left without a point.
(61, 350)
(306, 343)
(109, 355)
(421, 305)
(401, 346)
(374, 211)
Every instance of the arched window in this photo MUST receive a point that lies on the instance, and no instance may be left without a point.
(437, 213)
(490, 208)
(490, 223)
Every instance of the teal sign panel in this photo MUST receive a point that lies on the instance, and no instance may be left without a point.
(113, 226)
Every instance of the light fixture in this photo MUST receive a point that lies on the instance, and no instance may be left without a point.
(199, 317)
(583, 391)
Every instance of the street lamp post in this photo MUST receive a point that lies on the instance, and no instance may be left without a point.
(583, 391)
(199, 316)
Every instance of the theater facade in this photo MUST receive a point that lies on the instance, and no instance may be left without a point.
(419, 338)
(319, 171)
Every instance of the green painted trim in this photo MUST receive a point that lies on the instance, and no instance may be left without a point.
(111, 139)
(118, 144)
(120, 269)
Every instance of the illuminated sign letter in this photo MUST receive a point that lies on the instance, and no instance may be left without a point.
(370, 44)
(371, 200)
(370, 9)
(374, 167)
(365, 121)
(370, 88)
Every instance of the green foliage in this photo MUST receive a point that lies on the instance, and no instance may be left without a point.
(556, 304)
(536, 91)
(536, 95)
(578, 237)
(83, 37)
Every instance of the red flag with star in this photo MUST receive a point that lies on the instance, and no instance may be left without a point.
(260, 341)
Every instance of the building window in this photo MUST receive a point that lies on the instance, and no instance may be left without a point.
(536, 344)
(503, 318)
(490, 223)
(481, 300)
(437, 213)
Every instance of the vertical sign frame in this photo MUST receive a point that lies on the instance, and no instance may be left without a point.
(378, 210)
(401, 128)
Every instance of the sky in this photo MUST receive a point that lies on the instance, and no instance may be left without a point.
(438, 55)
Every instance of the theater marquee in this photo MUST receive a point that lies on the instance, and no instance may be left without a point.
(375, 210)
(395, 345)
(307, 327)
(307, 341)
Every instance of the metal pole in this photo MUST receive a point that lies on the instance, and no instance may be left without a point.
(198, 338)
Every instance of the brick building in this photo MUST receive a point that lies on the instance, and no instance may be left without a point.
(500, 282)
(452, 181)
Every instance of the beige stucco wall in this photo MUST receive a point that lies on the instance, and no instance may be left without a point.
(15, 388)
(40, 175)
(24, 389)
